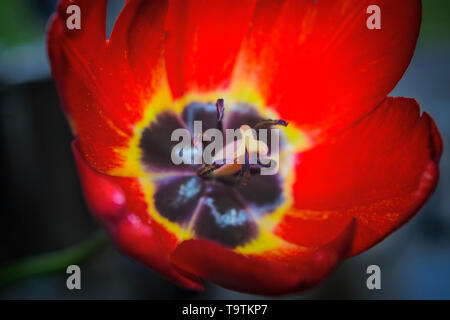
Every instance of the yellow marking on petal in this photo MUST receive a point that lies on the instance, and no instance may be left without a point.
(132, 167)
(266, 241)
(297, 141)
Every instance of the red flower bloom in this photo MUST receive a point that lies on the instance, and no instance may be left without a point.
(354, 166)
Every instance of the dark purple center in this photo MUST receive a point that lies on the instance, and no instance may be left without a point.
(216, 211)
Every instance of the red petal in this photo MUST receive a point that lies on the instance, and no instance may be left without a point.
(103, 196)
(120, 206)
(380, 171)
(105, 86)
(90, 38)
(317, 63)
(286, 270)
(203, 40)
(143, 241)
(136, 53)
(72, 55)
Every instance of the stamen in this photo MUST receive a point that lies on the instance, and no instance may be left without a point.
(234, 173)
(270, 122)
(220, 109)
(220, 105)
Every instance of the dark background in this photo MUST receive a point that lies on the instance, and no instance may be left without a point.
(42, 208)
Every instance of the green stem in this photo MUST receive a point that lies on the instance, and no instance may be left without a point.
(53, 261)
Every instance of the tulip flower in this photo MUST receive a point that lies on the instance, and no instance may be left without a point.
(354, 164)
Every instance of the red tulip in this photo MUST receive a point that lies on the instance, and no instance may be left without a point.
(355, 165)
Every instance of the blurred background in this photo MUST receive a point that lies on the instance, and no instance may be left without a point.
(42, 208)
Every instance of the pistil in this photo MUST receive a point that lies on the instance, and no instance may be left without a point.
(239, 172)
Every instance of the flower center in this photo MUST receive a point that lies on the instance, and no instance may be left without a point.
(239, 160)
(212, 202)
